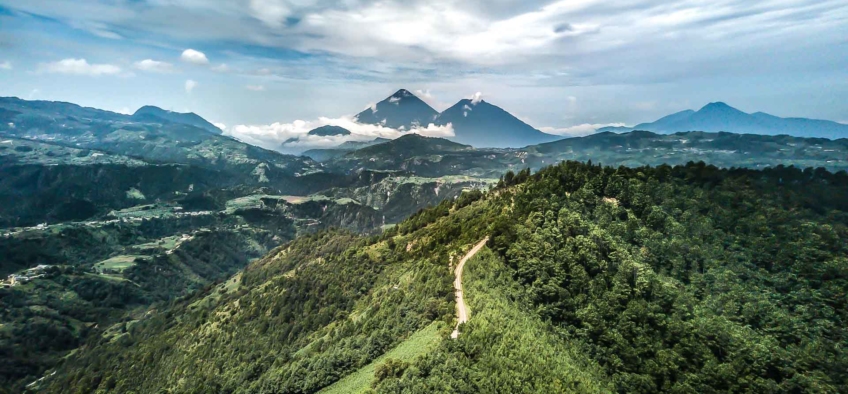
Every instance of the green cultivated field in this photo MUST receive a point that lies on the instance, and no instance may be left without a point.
(118, 263)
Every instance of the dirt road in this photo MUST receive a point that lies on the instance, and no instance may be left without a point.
(461, 309)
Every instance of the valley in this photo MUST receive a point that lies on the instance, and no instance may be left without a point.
(423, 196)
(589, 274)
(112, 225)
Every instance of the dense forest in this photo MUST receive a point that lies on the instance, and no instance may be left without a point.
(595, 279)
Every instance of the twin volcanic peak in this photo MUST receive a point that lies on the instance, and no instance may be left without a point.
(475, 122)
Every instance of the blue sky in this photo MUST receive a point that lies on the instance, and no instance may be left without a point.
(559, 65)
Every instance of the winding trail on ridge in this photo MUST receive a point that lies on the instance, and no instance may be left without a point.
(461, 309)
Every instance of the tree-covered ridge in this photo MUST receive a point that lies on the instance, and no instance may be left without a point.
(721, 149)
(596, 279)
(631, 149)
(690, 278)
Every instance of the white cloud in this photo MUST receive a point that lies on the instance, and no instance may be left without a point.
(79, 67)
(263, 72)
(151, 65)
(483, 32)
(255, 88)
(476, 98)
(194, 57)
(580, 44)
(271, 136)
(271, 12)
(96, 28)
(190, 85)
(125, 111)
(435, 131)
(7, 65)
(105, 34)
(442, 30)
(33, 93)
(428, 97)
(578, 130)
(220, 125)
(221, 68)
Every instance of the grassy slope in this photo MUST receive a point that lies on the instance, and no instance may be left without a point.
(416, 345)
(501, 336)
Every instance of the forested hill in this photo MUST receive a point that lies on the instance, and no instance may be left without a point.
(644, 280)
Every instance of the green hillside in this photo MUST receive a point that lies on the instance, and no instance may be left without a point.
(667, 279)
(186, 139)
(425, 157)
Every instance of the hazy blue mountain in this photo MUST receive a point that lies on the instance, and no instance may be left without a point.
(715, 117)
(482, 124)
(425, 157)
(675, 117)
(10, 107)
(412, 144)
(328, 131)
(400, 110)
(152, 113)
(615, 129)
(325, 154)
(354, 145)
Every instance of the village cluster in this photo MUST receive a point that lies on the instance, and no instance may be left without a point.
(12, 280)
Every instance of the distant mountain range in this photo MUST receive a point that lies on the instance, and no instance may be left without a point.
(412, 144)
(715, 117)
(475, 123)
(324, 154)
(484, 125)
(152, 135)
(151, 113)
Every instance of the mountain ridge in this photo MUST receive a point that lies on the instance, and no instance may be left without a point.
(189, 118)
(325, 154)
(484, 125)
(489, 127)
(401, 110)
(642, 247)
(719, 116)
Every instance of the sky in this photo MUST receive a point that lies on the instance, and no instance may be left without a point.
(271, 68)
